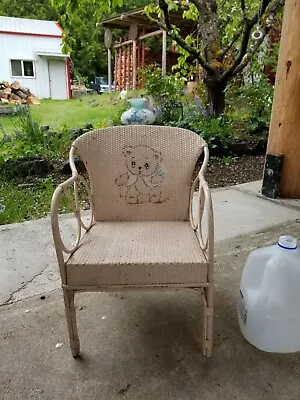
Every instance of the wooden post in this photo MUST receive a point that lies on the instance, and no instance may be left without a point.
(138, 55)
(124, 73)
(109, 69)
(284, 137)
(134, 64)
(133, 34)
(138, 64)
(143, 50)
(164, 54)
(115, 71)
(125, 67)
(108, 43)
(120, 67)
(130, 84)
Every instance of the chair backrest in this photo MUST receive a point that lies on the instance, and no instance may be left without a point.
(139, 172)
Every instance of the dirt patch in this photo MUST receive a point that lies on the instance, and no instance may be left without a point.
(233, 171)
(220, 172)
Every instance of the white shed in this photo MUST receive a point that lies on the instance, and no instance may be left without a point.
(31, 53)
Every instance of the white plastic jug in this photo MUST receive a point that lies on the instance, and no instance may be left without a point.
(269, 298)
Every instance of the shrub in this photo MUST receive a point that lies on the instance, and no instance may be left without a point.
(217, 132)
(166, 91)
(251, 104)
(30, 142)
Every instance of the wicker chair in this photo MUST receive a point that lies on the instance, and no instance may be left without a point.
(150, 227)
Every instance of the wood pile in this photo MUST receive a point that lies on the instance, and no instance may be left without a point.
(78, 89)
(15, 94)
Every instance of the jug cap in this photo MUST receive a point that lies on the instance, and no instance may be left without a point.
(287, 242)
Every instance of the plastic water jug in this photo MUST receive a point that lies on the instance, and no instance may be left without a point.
(269, 298)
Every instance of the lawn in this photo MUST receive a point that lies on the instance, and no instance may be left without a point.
(21, 201)
(23, 198)
(69, 113)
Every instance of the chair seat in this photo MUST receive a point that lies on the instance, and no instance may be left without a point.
(138, 253)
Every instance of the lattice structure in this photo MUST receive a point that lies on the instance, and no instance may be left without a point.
(131, 53)
(123, 69)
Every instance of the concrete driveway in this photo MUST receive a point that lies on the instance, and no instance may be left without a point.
(140, 345)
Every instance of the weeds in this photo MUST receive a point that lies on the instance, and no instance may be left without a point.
(25, 201)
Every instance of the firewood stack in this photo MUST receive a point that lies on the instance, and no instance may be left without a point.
(15, 94)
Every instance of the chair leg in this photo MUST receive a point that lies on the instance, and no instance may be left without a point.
(71, 320)
(207, 321)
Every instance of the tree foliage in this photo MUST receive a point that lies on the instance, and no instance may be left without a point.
(221, 40)
(84, 40)
(41, 9)
(84, 35)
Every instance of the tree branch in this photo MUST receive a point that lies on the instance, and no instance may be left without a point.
(228, 47)
(243, 57)
(243, 8)
(197, 4)
(164, 7)
(178, 38)
(242, 52)
(251, 53)
(259, 12)
(274, 7)
(249, 24)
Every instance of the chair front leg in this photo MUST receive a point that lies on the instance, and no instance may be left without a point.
(71, 320)
(208, 321)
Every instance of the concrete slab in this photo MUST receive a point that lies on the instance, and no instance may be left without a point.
(26, 251)
(144, 345)
(27, 257)
(28, 262)
(250, 187)
(238, 213)
(254, 188)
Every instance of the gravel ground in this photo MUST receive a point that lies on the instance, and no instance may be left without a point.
(233, 171)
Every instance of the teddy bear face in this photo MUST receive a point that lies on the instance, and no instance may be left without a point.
(142, 160)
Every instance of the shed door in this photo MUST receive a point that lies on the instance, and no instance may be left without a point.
(57, 79)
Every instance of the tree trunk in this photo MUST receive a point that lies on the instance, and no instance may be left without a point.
(208, 20)
(215, 92)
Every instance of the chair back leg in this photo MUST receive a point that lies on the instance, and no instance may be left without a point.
(71, 320)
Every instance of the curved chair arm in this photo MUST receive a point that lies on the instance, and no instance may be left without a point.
(203, 209)
(61, 190)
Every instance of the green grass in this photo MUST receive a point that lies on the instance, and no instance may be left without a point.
(21, 202)
(72, 113)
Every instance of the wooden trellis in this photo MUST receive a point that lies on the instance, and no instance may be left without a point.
(130, 52)
(129, 57)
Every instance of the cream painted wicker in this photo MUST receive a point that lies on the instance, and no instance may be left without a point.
(150, 227)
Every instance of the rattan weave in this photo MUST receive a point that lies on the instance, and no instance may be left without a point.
(144, 233)
(112, 254)
(105, 161)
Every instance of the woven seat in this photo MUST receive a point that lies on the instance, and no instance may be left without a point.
(144, 232)
(138, 253)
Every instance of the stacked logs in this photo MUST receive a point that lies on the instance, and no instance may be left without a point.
(124, 63)
(15, 94)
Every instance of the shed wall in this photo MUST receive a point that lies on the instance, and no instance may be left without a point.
(25, 47)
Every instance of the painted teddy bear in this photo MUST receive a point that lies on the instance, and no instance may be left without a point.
(141, 183)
